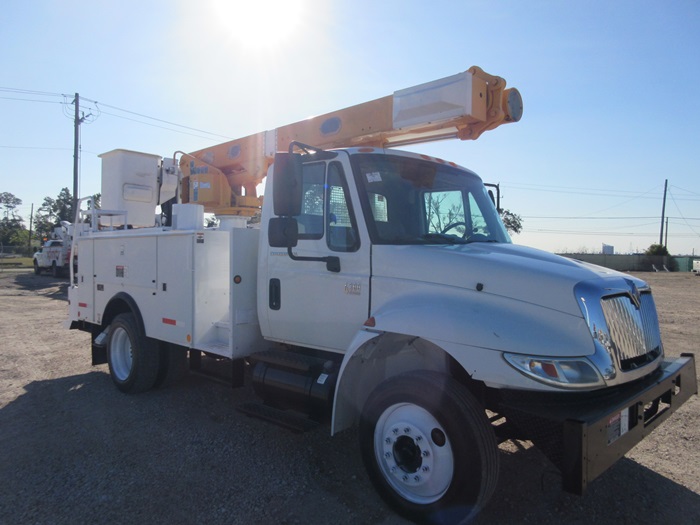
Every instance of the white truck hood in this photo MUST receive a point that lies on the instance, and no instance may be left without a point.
(506, 270)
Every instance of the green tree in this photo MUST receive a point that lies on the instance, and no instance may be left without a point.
(656, 249)
(11, 224)
(9, 204)
(512, 221)
(52, 212)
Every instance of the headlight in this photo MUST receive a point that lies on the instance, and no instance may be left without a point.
(564, 373)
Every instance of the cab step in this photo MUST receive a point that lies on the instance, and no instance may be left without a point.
(230, 372)
(291, 361)
(285, 418)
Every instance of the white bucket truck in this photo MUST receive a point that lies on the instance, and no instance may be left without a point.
(379, 289)
(54, 255)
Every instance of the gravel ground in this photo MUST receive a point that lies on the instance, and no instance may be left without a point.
(75, 450)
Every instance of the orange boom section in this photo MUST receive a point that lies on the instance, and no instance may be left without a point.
(223, 177)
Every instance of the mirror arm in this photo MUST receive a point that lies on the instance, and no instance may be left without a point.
(332, 262)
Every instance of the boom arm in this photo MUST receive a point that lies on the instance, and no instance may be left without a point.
(461, 106)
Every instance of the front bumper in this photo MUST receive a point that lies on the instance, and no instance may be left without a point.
(586, 434)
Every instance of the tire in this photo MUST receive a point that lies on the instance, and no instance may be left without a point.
(428, 448)
(37, 270)
(55, 270)
(172, 365)
(133, 358)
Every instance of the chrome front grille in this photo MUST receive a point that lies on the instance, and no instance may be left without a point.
(634, 331)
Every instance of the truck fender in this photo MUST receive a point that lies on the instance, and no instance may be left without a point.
(429, 331)
(122, 302)
(372, 358)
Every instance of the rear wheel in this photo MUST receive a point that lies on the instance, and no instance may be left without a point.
(429, 448)
(55, 270)
(132, 357)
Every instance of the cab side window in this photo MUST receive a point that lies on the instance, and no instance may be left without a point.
(340, 221)
(310, 220)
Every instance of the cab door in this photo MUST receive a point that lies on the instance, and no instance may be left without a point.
(308, 304)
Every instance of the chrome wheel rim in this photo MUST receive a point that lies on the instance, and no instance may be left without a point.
(414, 453)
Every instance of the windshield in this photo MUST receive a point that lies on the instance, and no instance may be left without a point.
(412, 201)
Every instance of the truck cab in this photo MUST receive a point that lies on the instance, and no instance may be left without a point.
(368, 210)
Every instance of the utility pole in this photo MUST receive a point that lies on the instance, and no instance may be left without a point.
(76, 144)
(31, 223)
(663, 214)
(666, 235)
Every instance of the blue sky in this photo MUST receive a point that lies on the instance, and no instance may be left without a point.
(608, 90)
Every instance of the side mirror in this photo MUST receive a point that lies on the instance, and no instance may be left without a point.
(496, 199)
(287, 187)
(282, 232)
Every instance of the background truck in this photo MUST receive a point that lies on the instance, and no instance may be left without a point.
(54, 255)
(378, 290)
(696, 267)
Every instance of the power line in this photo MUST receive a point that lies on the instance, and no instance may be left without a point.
(681, 213)
(35, 147)
(156, 125)
(156, 119)
(30, 92)
(597, 192)
(32, 100)
(98, 110)
(687, 191)
(570, 189)
(612, 234)
(602, 218)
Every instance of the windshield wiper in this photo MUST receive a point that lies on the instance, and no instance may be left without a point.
(480, 240)
(442, 238)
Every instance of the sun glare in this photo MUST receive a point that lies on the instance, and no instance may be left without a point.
(260, 23)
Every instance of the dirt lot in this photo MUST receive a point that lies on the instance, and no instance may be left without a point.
(75, 450)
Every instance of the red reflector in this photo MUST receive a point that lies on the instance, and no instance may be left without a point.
(82, 305)
(550, 369)
(371, 322)
(169, 321)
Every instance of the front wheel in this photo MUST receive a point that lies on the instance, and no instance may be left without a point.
(37, 269)
(133, 358)
(428, 447)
